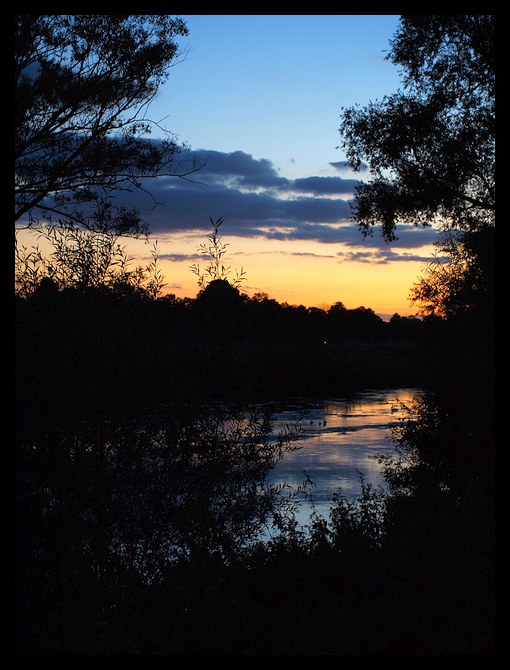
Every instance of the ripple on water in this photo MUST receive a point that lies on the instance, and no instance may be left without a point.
(339, 438)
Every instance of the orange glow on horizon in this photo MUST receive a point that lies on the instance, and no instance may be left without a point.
(297, 272)
(305, 273)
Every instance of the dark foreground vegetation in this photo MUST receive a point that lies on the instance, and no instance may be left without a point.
(108, 347)
(140, 504)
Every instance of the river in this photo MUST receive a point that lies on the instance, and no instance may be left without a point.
(339, 438)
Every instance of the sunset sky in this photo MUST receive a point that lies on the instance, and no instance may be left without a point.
(258, 99)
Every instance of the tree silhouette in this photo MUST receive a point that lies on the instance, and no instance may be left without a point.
(83, 86)
(431, 146)
(431, 151)
(461, 277)
(215, 270)
(140, 493)
(83, 259)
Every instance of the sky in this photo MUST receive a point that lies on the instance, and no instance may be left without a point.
(257, 100)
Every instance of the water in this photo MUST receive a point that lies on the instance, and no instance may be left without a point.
(339, 438)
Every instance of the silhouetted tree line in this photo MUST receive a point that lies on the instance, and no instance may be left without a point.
(96, 348)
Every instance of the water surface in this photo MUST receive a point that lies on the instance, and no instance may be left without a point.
(339, 438)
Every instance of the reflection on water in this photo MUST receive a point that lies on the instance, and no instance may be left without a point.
(337, 440)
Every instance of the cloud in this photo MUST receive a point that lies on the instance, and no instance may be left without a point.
(246, 192)
(325, 185)
(408, 237)
(242, 170)
(310, 255)
(237, 167)
(345, 165)
(381, 257)
(254, 200)
(176, 258)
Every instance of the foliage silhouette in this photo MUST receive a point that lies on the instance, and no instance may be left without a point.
(114, 506)
(142, 514)
(465, 282)
(83, 85)
(215, 270)
(430, 147)
(83, 259)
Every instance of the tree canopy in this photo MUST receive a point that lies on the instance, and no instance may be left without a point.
(430, 146)
(83, 87)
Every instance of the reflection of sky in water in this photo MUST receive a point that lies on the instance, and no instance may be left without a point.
(338, 439)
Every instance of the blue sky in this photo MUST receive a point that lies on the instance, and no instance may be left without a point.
(273, 85)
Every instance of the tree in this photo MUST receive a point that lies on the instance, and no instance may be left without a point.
(215, 249)
(466, 282)
(83, 259)
(83, 87)
(431, 146)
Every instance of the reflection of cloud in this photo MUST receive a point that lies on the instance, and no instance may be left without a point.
(255, 201)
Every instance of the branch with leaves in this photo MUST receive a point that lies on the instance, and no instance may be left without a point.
(216, 249)
(84, 84)
(83, 259)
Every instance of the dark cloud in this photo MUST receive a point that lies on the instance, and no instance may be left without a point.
(181, 257)
(380, 256)
(408, 237)
(236, 167)
(325, 185)
(254, 200)
(344, 165)
(243, 170)
(310, 255)
(277, 230)
(183, 206)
